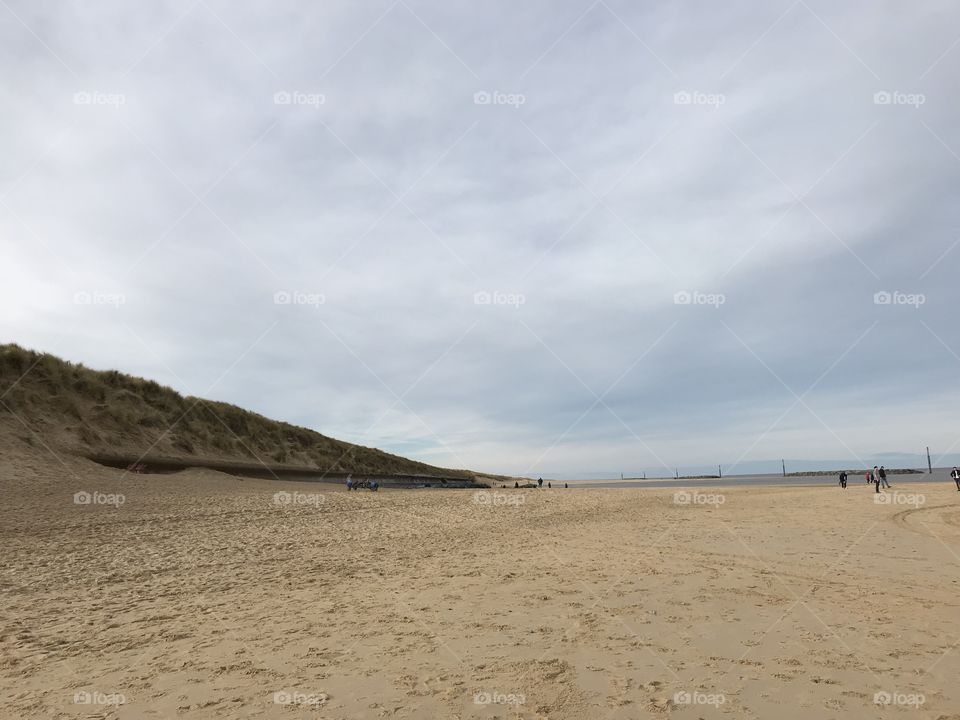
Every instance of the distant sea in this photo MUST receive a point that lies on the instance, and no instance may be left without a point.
(939, 475)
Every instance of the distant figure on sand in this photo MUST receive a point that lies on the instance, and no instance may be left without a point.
(516, 484)
(958, 484)
(843, 479)
(955, 474)
(549, 486)
(349, 482)
(875, 476)
(883, 477)
(540, 482)
(869, 477)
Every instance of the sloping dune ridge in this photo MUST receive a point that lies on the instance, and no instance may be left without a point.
(74, 409)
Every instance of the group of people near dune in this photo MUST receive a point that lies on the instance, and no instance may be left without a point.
(357, 484)
(878, 476)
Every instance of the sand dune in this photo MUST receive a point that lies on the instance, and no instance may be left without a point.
(202, 597)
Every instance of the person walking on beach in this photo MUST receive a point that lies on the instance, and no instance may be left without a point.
(843, 479)
(869, 476)
(875, 476)
(883, 477)
(955, 474)
(539, 482)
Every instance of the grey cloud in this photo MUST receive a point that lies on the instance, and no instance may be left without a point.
(597, 199)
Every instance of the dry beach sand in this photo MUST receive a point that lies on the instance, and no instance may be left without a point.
(201, 597)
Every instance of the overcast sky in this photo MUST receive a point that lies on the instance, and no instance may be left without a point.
(543, 238)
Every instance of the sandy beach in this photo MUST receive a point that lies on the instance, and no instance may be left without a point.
(200, 595)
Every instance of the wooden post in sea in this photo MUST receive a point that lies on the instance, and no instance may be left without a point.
(929, 464)
(677, 471)
(784, 464)
(719, 471)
